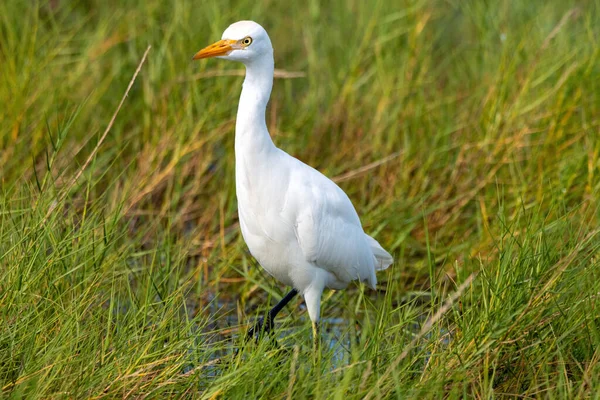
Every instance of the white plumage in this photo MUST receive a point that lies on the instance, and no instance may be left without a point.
(299, 225)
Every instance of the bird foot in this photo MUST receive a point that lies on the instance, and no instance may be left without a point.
(262, 326)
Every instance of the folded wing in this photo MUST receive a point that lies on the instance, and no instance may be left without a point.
(330, 234)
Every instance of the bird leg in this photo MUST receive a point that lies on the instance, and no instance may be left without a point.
(265, 325)
(316, 336)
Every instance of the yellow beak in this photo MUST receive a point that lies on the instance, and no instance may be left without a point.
(220, 48)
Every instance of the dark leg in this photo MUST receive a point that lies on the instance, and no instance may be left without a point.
(266, 324)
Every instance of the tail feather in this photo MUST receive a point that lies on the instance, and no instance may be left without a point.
(384, 259)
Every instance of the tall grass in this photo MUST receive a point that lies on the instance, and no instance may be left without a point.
(480, 126)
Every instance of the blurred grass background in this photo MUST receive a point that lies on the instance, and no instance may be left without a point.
(480, 124)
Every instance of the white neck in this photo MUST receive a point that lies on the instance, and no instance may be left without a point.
(251, 134)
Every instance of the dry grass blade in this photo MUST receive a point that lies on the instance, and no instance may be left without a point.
(359, 171)
(292, 379)
(426, 327)
(102, 138)
(277, 74)
(573, 12)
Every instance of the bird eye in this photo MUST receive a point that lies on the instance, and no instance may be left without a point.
(247, 41)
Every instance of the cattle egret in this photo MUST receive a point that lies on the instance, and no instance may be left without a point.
(299, 225)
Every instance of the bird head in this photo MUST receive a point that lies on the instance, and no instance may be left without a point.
(243, 41)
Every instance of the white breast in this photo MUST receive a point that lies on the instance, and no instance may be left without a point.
(266, 221)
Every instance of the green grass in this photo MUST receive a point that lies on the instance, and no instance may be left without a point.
(134, 281)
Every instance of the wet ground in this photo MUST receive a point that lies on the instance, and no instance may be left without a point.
(336, 333)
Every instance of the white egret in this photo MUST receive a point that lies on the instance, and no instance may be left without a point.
(299, 225)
